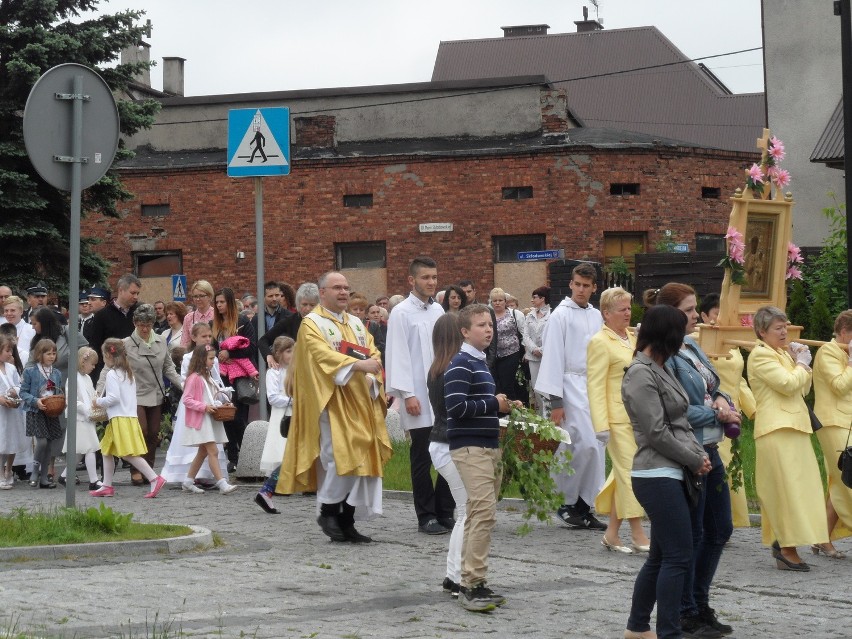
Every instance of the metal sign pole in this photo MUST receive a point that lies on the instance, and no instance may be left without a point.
(261, 303)
(844, 10)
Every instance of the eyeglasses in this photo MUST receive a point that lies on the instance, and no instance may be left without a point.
(338, 287)
(198, 296)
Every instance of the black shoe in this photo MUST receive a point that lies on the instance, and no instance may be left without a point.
(355, 537)
(50, 485)
(125, 464)
(432, 527)
(61, 480)
(331, 528)
(450, 587)
(693, 627)
(260, 500)
(232, 468)
(94, 485)
(447, 522)
(592, 522)
(475, 599)
(571, 518)
(498, 600)
(708, 616)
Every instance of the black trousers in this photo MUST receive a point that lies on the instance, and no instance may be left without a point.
(430, 501)
(235, 429)
(505, 377)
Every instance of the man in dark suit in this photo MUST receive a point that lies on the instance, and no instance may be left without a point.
(115, 319)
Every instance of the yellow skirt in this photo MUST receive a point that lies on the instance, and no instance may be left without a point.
(123, 438)
(789, 488)
(739, 504)
(833, 440)
(621, 448)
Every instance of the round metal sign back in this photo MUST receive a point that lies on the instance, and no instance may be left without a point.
(48, 125)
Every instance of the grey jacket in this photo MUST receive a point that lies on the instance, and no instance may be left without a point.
(660, 443)
(149, 376)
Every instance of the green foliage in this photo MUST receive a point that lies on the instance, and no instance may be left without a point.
(531, 466)
(107, 519)
(667, 243)
(797, 304)
(618, 266)
(821, 320)
(34, 37)
(826, 278)
(637, 312)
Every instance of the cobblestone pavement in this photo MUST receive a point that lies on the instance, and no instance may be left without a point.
(278, 576)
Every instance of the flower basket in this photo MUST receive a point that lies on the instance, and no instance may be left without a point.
(53, 405)
(225, 413)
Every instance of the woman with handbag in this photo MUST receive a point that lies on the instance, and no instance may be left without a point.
(833, 407)
(150, 362)
(709, 411)
(508, 333)
(787, 476)
(227, 322)
(666, 451)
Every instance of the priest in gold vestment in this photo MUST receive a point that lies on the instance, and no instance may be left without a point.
(338, 442)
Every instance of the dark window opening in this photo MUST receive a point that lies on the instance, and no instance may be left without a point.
(710, 192)
(360, 255)
(624, 188)
(155, 210)
(360, 200)
(507, 247)
(517, 192)
(705, 242)
(157, 263)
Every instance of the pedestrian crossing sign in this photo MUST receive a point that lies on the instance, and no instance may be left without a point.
(258, 142)
(179, 288)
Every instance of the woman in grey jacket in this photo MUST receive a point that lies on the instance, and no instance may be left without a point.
(666, 444)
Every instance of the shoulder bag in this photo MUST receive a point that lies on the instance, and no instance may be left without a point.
(844, 463)
(167, 400)
(284, 425)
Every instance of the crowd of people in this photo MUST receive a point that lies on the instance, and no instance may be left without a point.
(664, 411)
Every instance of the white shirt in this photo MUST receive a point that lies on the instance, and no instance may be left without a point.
(25, 337)
(119, 397)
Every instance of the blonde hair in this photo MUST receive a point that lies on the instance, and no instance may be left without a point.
(85, 353)
(612, 296)
(14, 299)
(496, 291)
(282, 343)
(203, 285)
(43, 346)
(114, 349)
(196, 328)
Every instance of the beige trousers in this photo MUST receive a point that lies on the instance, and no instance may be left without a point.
(480, 471)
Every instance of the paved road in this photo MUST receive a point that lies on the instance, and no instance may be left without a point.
(277, 576)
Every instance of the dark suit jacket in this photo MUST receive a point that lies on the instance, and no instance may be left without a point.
(287, 325)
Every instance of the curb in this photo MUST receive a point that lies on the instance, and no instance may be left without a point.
(200, 539)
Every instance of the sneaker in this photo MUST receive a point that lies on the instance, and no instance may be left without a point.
(475, 599)
(190, 487)
(593, 523)
(432, 527)
(708, 616)
(225, 488)
(103, 491)
(693, 627)
(450, 587)
(498, 600)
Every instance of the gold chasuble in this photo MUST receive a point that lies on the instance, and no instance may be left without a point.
(358, 433)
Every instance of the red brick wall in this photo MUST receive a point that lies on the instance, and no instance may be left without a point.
(212, 215)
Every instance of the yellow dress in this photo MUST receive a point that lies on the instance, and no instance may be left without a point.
(359, 435)
(732, 382)
(606, 357)
(123, 438)
(833, 407)
(787, 477)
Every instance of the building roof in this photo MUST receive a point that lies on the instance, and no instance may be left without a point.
(677, 101)
(830, 147)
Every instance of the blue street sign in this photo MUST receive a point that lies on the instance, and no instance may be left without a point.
(531, 256)
(179, 288)
(258, 142)
(681, 247)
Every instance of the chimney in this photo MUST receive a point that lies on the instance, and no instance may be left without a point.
(525, 30)
(140, 52)
(173, 75)
(586, 25)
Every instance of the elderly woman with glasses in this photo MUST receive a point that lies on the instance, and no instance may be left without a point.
(201, 293)
(151, 363)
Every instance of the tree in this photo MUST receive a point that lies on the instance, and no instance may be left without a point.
(35, 224)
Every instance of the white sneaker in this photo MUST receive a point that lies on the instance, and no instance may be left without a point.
(225, 488)
(190, 487)
(5, 484)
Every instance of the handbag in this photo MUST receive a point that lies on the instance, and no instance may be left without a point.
(844, 463)
(284, 425)
(246, 390)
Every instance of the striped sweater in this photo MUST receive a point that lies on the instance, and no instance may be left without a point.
(471, 405)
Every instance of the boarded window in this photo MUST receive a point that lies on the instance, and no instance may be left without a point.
(625, 245)
(360, 255)
(157, 263)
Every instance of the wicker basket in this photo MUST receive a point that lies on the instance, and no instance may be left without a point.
(225, 413)
(538, 444)
(53, 405)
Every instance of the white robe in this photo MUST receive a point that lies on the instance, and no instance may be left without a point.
(563, 374)
(409, 354)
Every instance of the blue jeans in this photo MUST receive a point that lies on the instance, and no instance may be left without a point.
(662, 577)
(712, 527)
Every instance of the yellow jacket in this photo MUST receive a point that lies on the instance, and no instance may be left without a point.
(732, 382)
(779, 387)
(833, 386)
(606, 357)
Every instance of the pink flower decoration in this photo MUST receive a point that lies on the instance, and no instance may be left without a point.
(776, 149)
(747, 320)
(736, 246)
(794, 254)
(794, 273)
(780, 177)
(756, 174)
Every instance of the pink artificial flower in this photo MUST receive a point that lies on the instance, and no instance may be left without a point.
(747, 320)
(794, 273)
(780, 177)
(755, 173)
(776, 149)
(736, 246)
(794, 254)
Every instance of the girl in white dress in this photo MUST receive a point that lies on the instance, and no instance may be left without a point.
(87, 435)
(201, 430)
(179, 455)
(273, 447)
(13, 439)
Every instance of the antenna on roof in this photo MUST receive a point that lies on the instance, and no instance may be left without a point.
(597, 5)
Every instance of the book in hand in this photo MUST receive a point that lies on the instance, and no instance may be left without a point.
(354, 350)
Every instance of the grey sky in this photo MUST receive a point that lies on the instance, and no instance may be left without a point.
(272, 45)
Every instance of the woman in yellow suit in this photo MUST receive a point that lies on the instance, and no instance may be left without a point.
(833, 407)
(732, 382)
(787, 476)
(608, 353)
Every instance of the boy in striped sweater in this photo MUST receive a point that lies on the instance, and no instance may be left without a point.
(473, 432)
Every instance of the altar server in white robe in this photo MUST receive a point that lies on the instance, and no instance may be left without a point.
(562, 377)
(408, 356)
